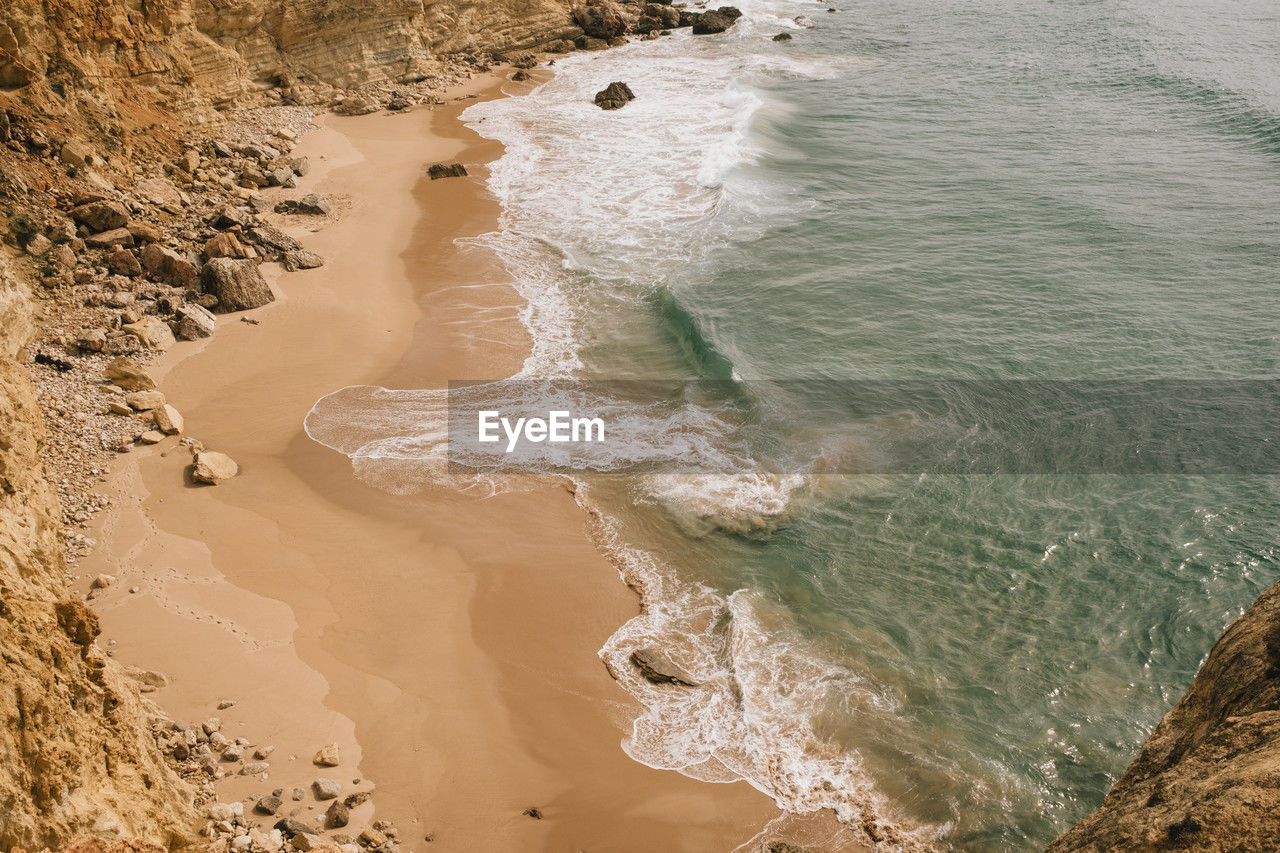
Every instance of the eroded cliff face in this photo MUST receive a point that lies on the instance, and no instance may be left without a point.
(1208, 778)
(191, 54)
(76, 751)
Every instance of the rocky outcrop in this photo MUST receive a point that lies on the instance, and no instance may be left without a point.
(1206, 777)
(615, 96)
(76, 751)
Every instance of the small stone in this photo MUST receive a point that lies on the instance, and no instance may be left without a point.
(782, 37)
(234, 752)
(103, 581)
(327, 756)
(224, 704)
(300, 259)
(532, 812)
(123, 262)
(254, 768)
(211, 725)
(268, 805)
(326, 789)
(109, 239)
(92, 340)
(263, 752)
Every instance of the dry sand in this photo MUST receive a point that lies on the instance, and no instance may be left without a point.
(447, 643)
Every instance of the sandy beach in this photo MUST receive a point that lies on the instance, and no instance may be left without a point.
(446, 643)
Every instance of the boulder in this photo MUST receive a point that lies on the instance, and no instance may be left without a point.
(63, 257)
(103, 581)
(226, 245)
(124, 372)
(92, 340)
(269, 804)
(168, 420)
(145, 232)
(212, 468)
(282, 176)
(602, 19)
(144, 401)
(273, 238)
(38, 246)
(123, 262)
(312, 204)
(300, 259)
(169, 266)
(232, 217)
(440, 170)
(151, 436)
(161, 192)
(75, 153)
(109, 239)
(100, 216)
(660, 669)
(238, 285)
(716, 21)
(154, 333)
(193, 322)
(782, 37)
(301, 166)
(614, 96)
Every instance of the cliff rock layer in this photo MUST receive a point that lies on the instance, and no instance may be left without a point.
(1208, 778)
(195, 52)
(76, 752)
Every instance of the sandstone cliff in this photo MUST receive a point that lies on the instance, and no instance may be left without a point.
(1207, 778)
(190, 54)
(76, 752)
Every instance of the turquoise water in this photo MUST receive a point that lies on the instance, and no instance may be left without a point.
(980, 190)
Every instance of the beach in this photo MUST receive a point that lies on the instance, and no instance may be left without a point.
(446, 643)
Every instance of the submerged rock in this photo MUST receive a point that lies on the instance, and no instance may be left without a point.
(782, 37)
(615, 96)
(660, 669)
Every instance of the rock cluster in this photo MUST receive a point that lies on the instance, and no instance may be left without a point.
(605, 21)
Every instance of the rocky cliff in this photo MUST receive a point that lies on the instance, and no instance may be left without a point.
(76, 750)
(1208, 778)
(192, 54)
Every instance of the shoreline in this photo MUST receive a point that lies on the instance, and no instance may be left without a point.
(435, 656)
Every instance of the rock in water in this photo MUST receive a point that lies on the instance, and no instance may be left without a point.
(126, 373)
(782, 37)
(440, 170)
(716, 21)
(238, 285)
(615, 96)
(658, 668)
(213, 468)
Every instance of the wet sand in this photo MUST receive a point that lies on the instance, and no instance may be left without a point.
(446, 642)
